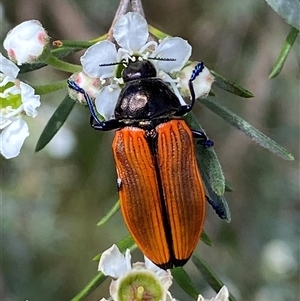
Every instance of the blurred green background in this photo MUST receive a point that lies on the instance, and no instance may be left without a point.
(51, 201)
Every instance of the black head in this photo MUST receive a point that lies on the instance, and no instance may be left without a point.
(138, 70)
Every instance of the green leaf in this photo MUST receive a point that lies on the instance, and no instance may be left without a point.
(211, 172)
(123, 244)
(157, 33)
(284, 52)
(45, 89)
(109, 214)
(73, 44)
(229, 86)
(55, 122)
(90, 287)
(248, 129)
(289, 10)
(59, 53)
(218, 202)
(211, 278)
(59, 64)
(206, 239)
(209, 163)
(185, 282)
(126, 243)
(228, 186)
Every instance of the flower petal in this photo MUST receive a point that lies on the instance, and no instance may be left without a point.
(200, 298)
(172, 48)
(150, 265)
(131, 31)
(103, 52)
(167, 78)
(113, 263)
(7, 67)
(164, 276)
(12, 138)
(29, 99)
(223, 294)
(106, 101)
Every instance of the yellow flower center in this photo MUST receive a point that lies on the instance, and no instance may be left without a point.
(9, 101)
(140, 285)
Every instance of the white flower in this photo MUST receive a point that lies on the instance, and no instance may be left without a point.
(16, 99)
(26, 42)
(138, 281)
(223, 295)
(131, 34)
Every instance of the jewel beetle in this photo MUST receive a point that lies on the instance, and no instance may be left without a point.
(161, 192)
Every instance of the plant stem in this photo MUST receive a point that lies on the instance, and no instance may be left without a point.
(137, 6)
(61, 65)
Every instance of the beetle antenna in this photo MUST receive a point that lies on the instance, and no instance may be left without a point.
(110, 64)
(162, 59)
(74, 86)
(197, 70)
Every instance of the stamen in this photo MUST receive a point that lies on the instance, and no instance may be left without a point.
(139, 293)
(107, 75)
(147, 45)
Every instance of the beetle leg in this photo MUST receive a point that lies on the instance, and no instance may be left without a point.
(105, 125)
(95, 122)
(202, 138)
(216, 207)
(187, 108)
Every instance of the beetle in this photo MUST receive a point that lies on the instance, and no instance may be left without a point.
(161, 192)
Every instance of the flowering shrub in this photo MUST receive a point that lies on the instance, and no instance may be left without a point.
(100, 77)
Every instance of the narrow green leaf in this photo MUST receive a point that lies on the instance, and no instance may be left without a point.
(31, 67)
(211, 172)
(229, 86)
(109, 214)
(45, 89)
(287, 46)
(59, 64)
(55, 122)
(126, 243)
(90, 287)
(220, 205)
(157, 33)
(123, 244)
(248, 129)
(289, 10)
(228, 186)
(210, 166)
(211, 278)
(73, 44)
(206, 239)
(58, 52)
(185, 282)
(209, 162)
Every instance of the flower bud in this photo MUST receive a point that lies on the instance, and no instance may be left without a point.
(26, 42)
(91, 85)
(202, 83)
